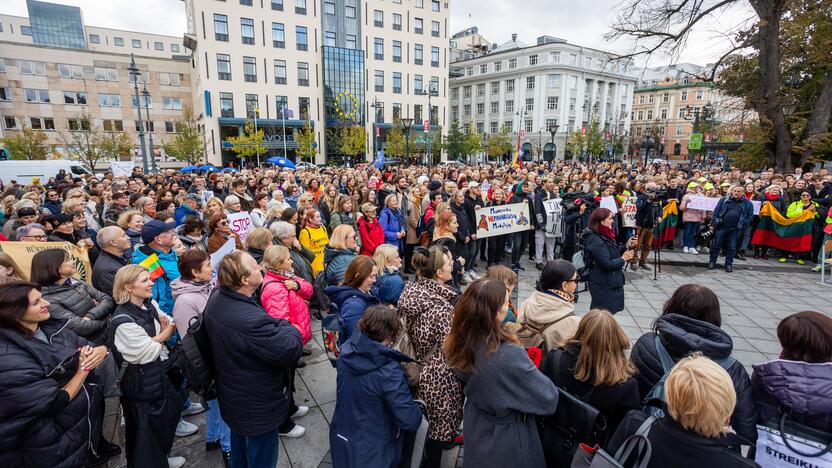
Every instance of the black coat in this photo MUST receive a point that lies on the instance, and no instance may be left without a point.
(77, 300)
(681, 336)
(253, 356)
(606, 275)
(104, 271)
(678, 447)
(35, 428)
(464, 222)
(573, 220)
(539, 218)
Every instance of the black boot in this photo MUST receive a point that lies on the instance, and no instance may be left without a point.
(226, 459)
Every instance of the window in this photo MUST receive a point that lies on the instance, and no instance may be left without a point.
(434, 5)
(329, 8)
(226, 105)
(70, 71)
(148, 127)
(303, 107)
(397, 82)
(417, 54)
(700, 94)
(466, 110)
(494, 127)
(303, 74)
(480, 109)
(498, 66)
(434, 28)
(418, 86)
(31, 68)
(469, 71)
(329, 38)
(278, 36)
(246, 2)
(349, 11)
(397, 111)
(529, 104)
(466, 92)
(277, 5)
(666, 97)
(170, 127)
(113, 125)
(247, 30)
(109, 100)
(454, 112)
(171, 103)
(158, 46)
(434, 56)
(174, 48)
(37, 95)
(137, 43)
(47, 123)
(679, 130)
(509, 86)
(455, 93)
(300, 7)
(529, 126)
(682, 113)
(252, 107)
(684, 96)
(279, 71)
(573, 59)
(554, 57)
(552, 103)
(146, 101)
(75, 97)
(250, 69)
(572, 102)
(650, 114)
(533, 59)
(530, 82)
(587, 62)
(554, 81)
(379, 80)
(640, 115)
(641, 99)
(5, 94)
(495, 107)
(2, 64)
(169, 79)
(10, 122)
(664, 114)
(301, 38)
(224, 66)
(95, 39)
(418, 25)
(484, 68)
(378, 18)
(220, 27)
(509, 106)
(352, 41)
(480, 127)
(650, 99)
(495, 87)
(281, 104)
(481, 89)
(420, 3)
(512, 63)
(378, 48)
(118, 41)
(397, 22)
(397, 51)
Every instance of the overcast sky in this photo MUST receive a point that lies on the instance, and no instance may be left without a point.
(581, 22)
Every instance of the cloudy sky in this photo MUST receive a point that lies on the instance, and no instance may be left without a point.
(581, 22)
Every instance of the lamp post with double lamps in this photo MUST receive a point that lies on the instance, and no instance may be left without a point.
(406, 123)
(553, 129)
(146, 96)
(134, 76)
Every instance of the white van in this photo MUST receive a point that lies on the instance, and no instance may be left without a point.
(23, 171)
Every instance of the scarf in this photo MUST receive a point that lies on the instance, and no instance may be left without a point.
(606, 232)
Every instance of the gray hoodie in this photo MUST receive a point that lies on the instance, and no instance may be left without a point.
(189, 301)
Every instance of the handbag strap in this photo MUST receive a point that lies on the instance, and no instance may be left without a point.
(638, 442)
(822, 452)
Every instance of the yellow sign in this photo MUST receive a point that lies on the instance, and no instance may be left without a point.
(22, 253)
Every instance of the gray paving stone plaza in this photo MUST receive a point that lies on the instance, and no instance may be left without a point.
(753, 299)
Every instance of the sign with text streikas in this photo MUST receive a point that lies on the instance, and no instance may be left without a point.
(241, 224)
(504, 219)
(628, 212)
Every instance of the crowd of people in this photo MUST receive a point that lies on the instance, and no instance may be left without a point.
(393, 252)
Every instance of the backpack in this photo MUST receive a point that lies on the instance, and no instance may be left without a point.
(596, 457)
(333, 332)
(532, 336)
(582, 261)
(196, 360)
(320, 302)
(653, 403)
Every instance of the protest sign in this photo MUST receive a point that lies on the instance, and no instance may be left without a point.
(206, 195)
(628, 212)
(122, 168)
(22, 253)
(757, 205)
(217, 256)
(699, 202)
(504, 219)
(241, 224)
(609, 203)
(554, 217)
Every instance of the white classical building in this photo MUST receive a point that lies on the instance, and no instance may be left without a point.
(328, 62)
(532, 89)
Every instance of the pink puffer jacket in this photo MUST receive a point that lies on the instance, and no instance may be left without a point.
(690, 215)
(280, 302)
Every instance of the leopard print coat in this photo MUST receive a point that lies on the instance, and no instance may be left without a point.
(427, 307)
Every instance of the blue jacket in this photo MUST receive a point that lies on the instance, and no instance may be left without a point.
(182, 212)
(388, 287)
(351, 303)
(336, 262)
(746, 215)
(373, 405)
(391, 222)
(253, 356)
(162, 292)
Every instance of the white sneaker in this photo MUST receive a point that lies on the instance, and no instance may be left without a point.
(467, 277)
(684, 250)
(693, 251)
(817, 268)
(301, 412)
(296, 431)
(176, 462)
(474, 274)
(184, 428)
(195, 408)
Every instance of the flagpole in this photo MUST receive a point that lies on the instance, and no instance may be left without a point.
(283, 119)
(257, 150)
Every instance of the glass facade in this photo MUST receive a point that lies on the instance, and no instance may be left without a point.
(343, 91)
(56, 25)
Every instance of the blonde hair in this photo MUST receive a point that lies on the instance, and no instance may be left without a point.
(126, 276)
(274, 256)
(71, 204)
(700, 396)
(383, 253)
(502, 273)
(124, 218)
(259, 238)
(230, 200)
(338, 240)
(214, 201)
(602, 354)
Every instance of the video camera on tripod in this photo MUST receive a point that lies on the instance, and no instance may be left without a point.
(573, 201)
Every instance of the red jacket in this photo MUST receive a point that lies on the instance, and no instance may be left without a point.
(279, 302)
(372, 235)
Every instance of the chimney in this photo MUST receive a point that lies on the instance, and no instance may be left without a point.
(514, 37)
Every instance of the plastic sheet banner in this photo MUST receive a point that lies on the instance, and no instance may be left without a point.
(609, 203)
(241, 224)
(22, 253)
(122, 168)
(503, 219)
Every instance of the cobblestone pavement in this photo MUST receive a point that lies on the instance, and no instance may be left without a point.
(753, 299)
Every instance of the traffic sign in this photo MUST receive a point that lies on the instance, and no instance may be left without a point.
(522, 132)
(695, 142)
(707, 138)
(426, 125)
(378, 131)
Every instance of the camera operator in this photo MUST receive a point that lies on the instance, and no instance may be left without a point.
(575, 219)
(648, 212)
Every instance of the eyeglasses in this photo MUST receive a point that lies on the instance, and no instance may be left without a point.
(39, 236)
(574, 280)
(223, 223)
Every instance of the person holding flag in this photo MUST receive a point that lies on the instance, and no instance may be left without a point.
(158, 256)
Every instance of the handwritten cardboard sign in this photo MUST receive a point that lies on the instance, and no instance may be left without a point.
(504, 219)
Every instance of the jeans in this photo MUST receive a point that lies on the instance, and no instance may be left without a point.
(724, 238)
(691, 229)
(215, 428)
(542, 242)
(745, 238)
(521, 239)
(254, 451)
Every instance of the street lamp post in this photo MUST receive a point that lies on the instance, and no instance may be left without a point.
(406, 123)
(429, 156)
(146, 96)
(520, 114)
(376, 105)
(484, 146)
(134, 74)
(554, 130)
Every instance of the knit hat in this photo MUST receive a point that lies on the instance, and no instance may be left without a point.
(62, 218)
(434, 185)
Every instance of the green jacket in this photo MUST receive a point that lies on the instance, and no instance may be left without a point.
(302, 263)
(796, 208)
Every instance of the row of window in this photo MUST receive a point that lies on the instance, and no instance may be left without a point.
(108, 125)
(665, 97)
(494, 126)
(662, 114)
(553, 81)
(552, 103)
(252, 102)
(418, 52)
(136, 43)
(534, 59)
(418, 23)
(43, 96)
(30, 67)
(418, 83)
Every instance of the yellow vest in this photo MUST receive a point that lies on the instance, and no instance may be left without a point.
(315, 239)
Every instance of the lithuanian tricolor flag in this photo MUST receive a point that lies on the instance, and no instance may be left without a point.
(153, 266)
(667, 228)
(789, 234)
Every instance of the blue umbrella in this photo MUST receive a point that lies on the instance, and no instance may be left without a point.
(228, 169)
(189, 169)
(281, 162)
(208, 168)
